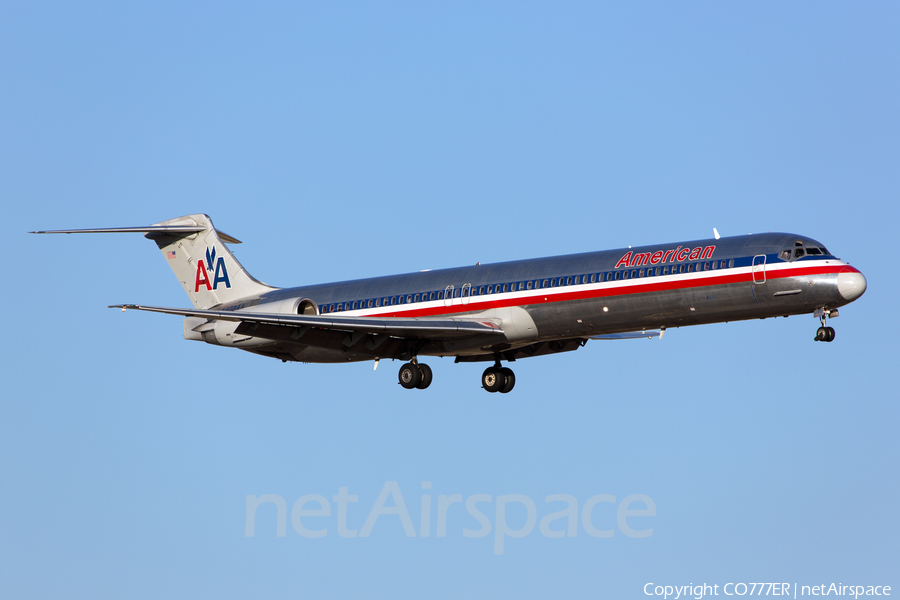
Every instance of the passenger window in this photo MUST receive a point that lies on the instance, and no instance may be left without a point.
(665, 270)
(569, 281)
(715, 265)
(490, 289)
(440, 295)
(545, 283)
(731, 264)
(456, 293)
(618, 275)
(529, 285)
(553, 282)
(640, 272)
(798, 252)
(505, 287)
(610, 276)
(521, 285)
(593, 278)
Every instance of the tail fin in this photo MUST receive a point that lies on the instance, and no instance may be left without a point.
(196, 253)
(206, 268)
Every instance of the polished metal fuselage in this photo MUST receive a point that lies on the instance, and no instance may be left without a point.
(555, 304)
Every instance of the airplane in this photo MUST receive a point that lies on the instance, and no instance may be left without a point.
(496, 312)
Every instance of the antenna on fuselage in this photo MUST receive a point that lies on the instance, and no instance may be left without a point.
(716, 233)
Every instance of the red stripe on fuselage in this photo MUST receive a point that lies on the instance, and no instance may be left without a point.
(645, 286)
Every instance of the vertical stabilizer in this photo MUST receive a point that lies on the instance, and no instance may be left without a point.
(205, 267)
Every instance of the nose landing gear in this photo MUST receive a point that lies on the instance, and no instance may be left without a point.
(824, 333)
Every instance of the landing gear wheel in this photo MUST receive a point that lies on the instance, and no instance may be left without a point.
(425, 370)
(510, 382)
(822, 334)
(493, 379)
(829, 334)
(410, 376)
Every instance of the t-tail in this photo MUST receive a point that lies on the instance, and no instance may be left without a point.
(197, 254)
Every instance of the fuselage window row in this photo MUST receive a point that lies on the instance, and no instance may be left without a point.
(470, 291)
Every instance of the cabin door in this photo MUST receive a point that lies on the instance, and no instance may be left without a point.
(759, 268)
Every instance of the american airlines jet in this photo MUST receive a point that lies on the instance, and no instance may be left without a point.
(497, 312)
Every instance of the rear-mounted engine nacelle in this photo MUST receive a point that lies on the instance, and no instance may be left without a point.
(222, 333)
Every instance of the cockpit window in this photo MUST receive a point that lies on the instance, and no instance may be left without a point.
(798, 252)
(786, 254)
(813, 250)
(825, 252)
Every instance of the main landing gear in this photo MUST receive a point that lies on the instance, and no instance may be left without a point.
(498, 379)
(415, 375)
(823, 333)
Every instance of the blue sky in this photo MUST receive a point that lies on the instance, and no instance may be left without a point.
(345, 141)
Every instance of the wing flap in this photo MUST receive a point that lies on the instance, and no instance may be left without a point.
(631, 335)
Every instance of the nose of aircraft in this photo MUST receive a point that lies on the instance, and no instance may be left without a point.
(851, 285)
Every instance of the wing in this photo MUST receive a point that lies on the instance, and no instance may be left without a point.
(427, 329)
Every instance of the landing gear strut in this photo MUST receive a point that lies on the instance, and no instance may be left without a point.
(498, 379)
(824, 333)
(415, 375)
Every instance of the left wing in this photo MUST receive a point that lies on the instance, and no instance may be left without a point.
(428, 329)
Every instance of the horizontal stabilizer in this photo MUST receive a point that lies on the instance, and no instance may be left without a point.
(631, 335)
(174, 229)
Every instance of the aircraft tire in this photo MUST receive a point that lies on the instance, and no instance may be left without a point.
(425, 370)
(821, 334)
(409, 376)
(510, 380)
(493, 379)
(830, 334)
